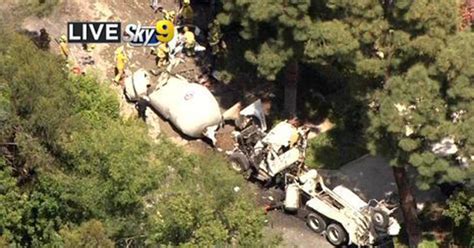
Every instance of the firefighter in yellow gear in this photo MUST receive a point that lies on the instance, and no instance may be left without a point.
(64, 47)
(295, 135)
(121, 61)
(189, 42)
(169, 15)
(187, 12)
(162, 54)
(215, 37)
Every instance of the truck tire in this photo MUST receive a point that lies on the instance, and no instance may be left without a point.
(380, 220)
(336, 235)
(239, 162)
(316, 222)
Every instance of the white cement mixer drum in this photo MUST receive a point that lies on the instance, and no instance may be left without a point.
(190, 107)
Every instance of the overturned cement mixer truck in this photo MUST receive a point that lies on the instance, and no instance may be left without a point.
(190, 107)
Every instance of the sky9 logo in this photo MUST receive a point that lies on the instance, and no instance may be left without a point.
(108, 32)
(164, 31)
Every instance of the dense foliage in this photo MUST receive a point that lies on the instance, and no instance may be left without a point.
(74, 174)
(461, 211)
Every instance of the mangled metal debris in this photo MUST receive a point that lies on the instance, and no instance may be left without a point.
(277, 157)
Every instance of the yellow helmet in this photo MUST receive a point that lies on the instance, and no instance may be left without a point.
(185, 29)
(63, 38)
(186, 2)
(169, 14)
(119, 50)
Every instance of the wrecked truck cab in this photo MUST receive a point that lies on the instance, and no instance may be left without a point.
(267, 156)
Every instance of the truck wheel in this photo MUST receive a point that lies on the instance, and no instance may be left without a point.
(239, 162)
(336, 235)
(380, 219)
(316, 223)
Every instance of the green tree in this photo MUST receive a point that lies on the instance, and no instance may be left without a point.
(90, 234)
(461, 211)
(30, 121)
(428, 79)
(202, 208)
(285, 34)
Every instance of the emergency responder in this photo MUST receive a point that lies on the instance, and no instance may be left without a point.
(295, 136)
(156, 5)
(44, 40)
(63, 45)
(88, 47)
(141, 106)
(121, 60)
(162, 54)
(186, 13)
(189, 42)
(215, 37)
(169, 15)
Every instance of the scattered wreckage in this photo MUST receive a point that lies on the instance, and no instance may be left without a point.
(274, 157)
(267, 157)
(342, 216)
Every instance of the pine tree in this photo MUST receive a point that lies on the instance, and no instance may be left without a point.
(286, 35)
(426, 97)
